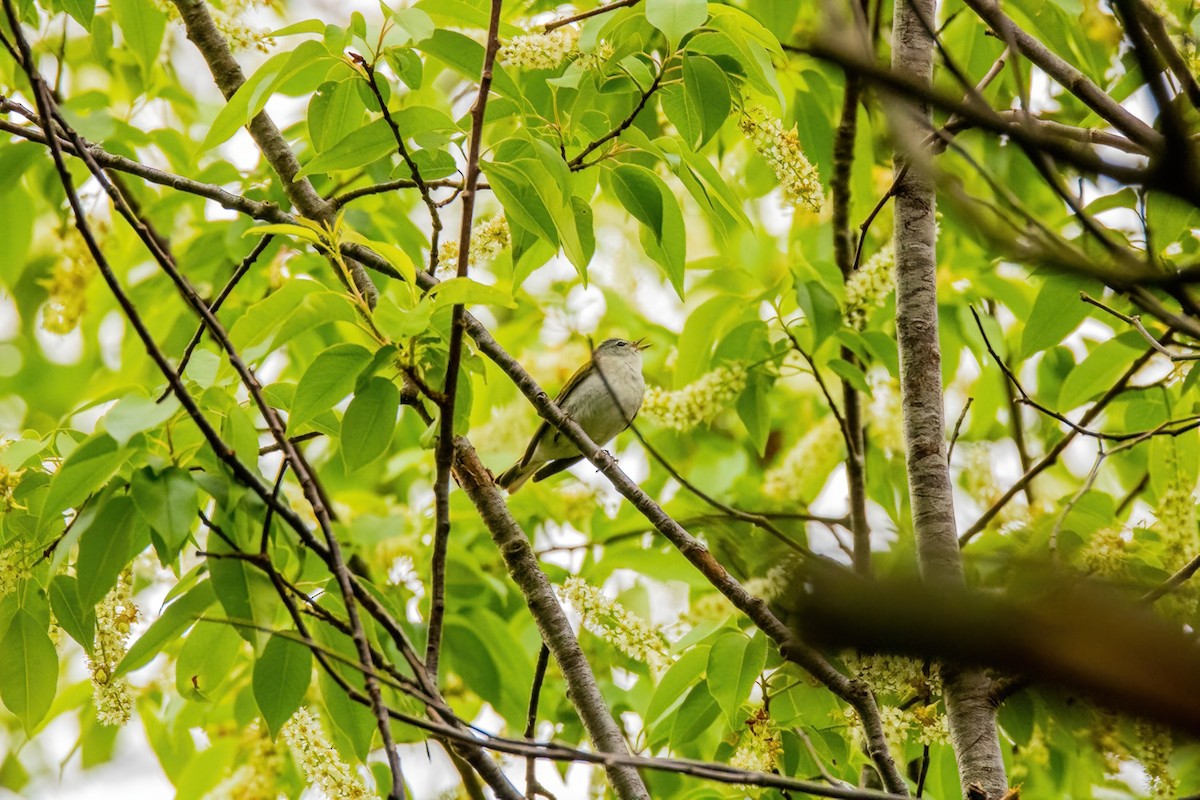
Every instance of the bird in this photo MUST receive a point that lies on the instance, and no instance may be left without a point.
(603, 397)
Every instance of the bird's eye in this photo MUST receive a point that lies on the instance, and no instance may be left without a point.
(622, 344)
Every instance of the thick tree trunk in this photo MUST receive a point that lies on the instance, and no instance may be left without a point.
(972, 718)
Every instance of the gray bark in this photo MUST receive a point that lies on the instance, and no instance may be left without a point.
(972, 717)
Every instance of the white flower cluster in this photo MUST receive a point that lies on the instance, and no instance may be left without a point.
(541, 50)
(229, 21)
(797, 176)
(926, 723)
(488, 238)
(67, 284)
(696, 403)
(115, 614)
(257, 775)
(598, 57)
(322, 766)
(613, 623)
(1106, 552)
(12, 567)
(1177, 523)
(868, 287)
(760, 746)
(1155, 747)
(803, 471)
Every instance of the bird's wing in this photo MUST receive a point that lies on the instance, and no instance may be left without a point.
(571, 383)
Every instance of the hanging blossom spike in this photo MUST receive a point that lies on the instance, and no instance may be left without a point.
(488, 239)
(798, 179)
(698, 402)
(320, 762)
(115, 614)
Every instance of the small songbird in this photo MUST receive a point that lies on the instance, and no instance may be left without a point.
(603, 396)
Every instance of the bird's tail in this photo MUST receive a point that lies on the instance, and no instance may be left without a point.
(515, 476)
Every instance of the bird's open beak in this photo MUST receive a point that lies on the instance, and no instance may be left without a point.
(642, 344)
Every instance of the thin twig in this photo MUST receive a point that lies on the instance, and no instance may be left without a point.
(1052, 455)
(582, 15)
(1135, 322)
(535, 692)
(957, 427)
(435, 218)
(444, 452)
(215, 306)
(578, 163)
(757, 520)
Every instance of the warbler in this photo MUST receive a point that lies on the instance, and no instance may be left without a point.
(603, 396)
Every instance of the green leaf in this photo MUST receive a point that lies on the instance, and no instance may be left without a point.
(89, 467)
(699, 106)
(28, 670)
(647, 197)
(407, 65)
(1174, 462)
(395, 256)
(676, 17)
(637, 189)
(399, 323)
(296, 307)
(135, 413)
(707, 323)
(328, 379)
(281, 677)
(173, 621)
(368, 423)
(246, 594)
(16, 230)
(1057, 311)
(675, 681)
(17, 453)
(1099, 370)
(360, 147)
(335, 110)
(465, 56)
(105, 548)
(464, 291)
(754, 409)
(698, 710)
(734, 663)
(821, 310)
(77, 619)
(535, 193)
(414, 22)
(81, 11)
(143, 26)
(252, 96)
(167, 501)
(206, 660)
(851, 374)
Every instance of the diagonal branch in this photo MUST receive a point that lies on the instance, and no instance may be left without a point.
(202, 31)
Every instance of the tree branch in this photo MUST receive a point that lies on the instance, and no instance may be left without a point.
(444, 451)
(203, 33)
(973, 731)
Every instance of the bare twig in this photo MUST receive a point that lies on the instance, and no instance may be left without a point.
(1054, 452)
(444, 452)
(215, 306)
(962, 415)
(578, 161)
(604, 9)
(435, 218)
